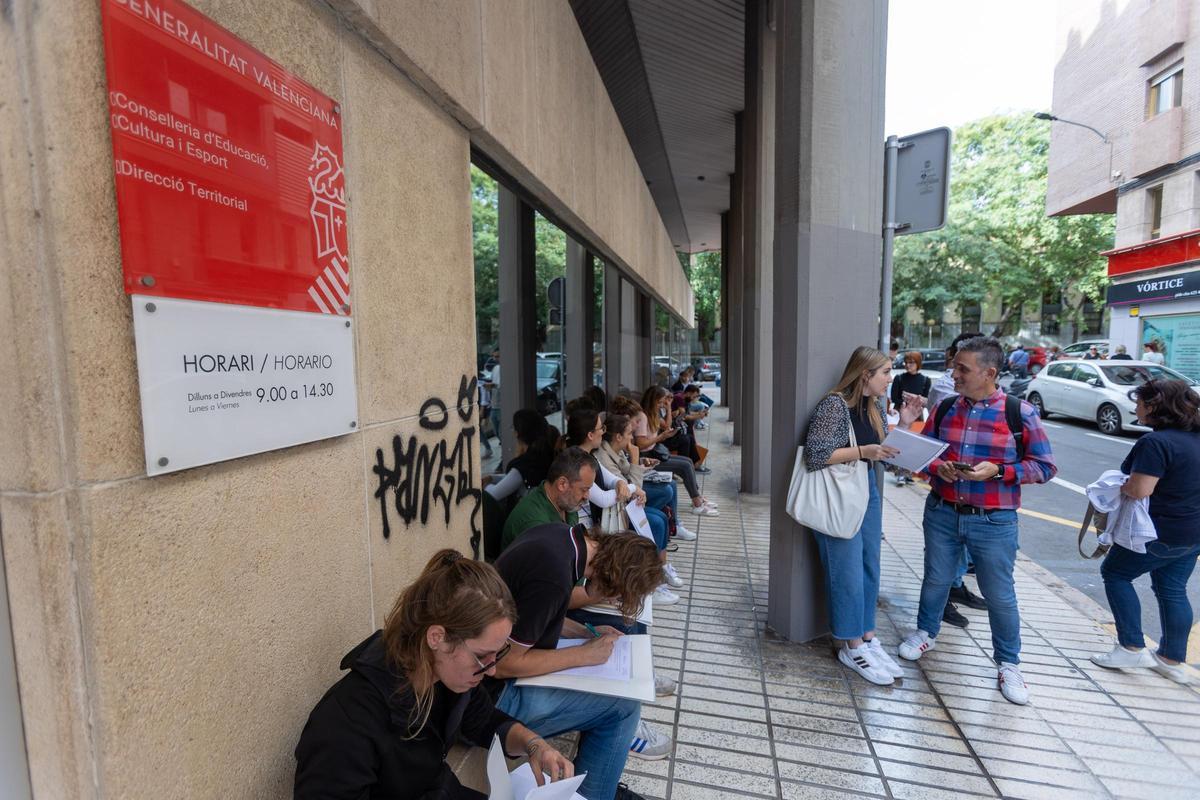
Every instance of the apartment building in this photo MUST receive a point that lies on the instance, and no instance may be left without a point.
(1126, 140)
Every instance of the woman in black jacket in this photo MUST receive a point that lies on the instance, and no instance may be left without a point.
(383, 730)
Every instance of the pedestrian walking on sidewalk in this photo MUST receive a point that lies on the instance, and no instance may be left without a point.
(996, 443)
(1164, 466)
(852, 565)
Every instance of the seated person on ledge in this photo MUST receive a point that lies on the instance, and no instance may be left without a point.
(541, 569)
(384, 729)
(557, 499)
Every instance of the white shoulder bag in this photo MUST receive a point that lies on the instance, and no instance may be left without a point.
(832, 500)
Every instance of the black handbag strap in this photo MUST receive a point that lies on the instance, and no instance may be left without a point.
(1101, 549)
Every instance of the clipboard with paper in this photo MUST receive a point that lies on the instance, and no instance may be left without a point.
(916, 450)
(520, 784)
(629, 671)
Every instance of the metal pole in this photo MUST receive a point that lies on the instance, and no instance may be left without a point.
(889, 238)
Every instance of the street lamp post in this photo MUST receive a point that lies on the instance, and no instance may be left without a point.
(1112, 176)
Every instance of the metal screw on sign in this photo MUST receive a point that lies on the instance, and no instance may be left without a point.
(346, 307)
(147, 280)
(353, 424)
(162, 462)
(337, 109)
(151, 307)
(347, 323)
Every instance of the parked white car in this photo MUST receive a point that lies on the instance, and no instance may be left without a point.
(1095, 390)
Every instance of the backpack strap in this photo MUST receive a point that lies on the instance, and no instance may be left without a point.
(1012, 416)
(942, 410)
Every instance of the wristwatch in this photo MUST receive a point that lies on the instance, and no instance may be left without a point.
(999, 476)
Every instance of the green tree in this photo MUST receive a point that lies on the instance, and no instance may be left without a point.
(998, 242)
(705, 278)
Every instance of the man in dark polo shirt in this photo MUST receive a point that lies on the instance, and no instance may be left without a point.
(541, 569)
(556, 499)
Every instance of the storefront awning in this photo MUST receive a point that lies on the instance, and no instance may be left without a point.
(1169, 251)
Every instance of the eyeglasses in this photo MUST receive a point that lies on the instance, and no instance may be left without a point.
(501, 653)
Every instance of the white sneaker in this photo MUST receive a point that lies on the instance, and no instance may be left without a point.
(1175, 672)
(664, 596)
(672, 576)
(683, 534)
(649, 743)
(1012, 685)
(712, 503)
(705, 511)
(1120, 658)
(883, 658)
(916, 645)
(663, 686)
(859, 659)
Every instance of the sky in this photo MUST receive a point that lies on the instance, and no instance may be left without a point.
(953, 61)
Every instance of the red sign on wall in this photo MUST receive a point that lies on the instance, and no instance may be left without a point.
(228, 168)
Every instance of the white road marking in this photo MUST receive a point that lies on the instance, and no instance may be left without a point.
(1074, 487)
(1125, 442)
(1052, 424)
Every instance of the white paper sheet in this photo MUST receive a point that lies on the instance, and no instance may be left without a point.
(639, 685)
(520, 783)
(637, 519)
(616, 668)
(646, 617)
(916, 451)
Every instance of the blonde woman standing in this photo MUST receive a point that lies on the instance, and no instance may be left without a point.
(852, 565)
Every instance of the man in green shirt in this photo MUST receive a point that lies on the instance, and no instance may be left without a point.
(558, 498)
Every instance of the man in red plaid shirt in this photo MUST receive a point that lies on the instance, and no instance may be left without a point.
(976, 492)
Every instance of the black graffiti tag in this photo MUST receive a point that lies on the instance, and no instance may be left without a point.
(424, 475)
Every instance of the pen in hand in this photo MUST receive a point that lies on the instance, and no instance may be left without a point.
(592, 629)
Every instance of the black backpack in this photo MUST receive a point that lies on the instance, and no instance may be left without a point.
(1012, 416)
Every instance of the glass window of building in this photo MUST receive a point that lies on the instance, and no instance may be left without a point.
(1166, 90)
(1154, 200)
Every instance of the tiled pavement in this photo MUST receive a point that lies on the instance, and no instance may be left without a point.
(759, 717)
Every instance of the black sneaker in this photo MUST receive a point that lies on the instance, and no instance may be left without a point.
(952, 616)
(963, 595)
(625, 793)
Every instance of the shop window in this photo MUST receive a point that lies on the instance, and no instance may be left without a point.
(1177, 338)
(1165, 90)
(1154, 199)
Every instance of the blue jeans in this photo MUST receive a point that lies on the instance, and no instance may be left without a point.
(1169, 568)
(708, 401)
(662, 496)
(606, 726)
(852, 572)
(962, 569)
(658, 526)
(991, 542)
(496, 423)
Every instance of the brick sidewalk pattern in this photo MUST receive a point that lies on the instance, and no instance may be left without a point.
(759, 717)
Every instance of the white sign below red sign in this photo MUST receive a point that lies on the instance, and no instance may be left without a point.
(230, 381)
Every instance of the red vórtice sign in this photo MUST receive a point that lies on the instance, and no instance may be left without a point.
(228, 168)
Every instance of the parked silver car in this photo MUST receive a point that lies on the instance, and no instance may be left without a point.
(1095, 390)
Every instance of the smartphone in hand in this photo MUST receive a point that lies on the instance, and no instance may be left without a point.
(964, 466)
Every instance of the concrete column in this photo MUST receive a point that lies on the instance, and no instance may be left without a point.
(518, 312)
(828, 179)
(612, 329)
(757, 229)
(724, 321)
(645, 339)
(580, 311)
(731, 378)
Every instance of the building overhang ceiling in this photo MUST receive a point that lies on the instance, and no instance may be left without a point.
(674, 72)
